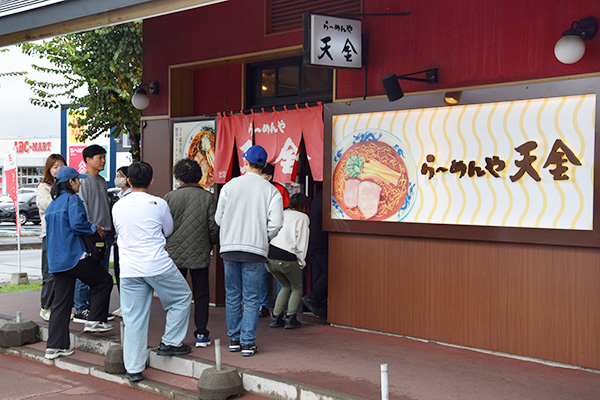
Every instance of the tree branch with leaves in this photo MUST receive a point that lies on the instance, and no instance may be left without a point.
(104, 63)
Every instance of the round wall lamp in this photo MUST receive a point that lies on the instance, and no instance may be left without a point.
(570, 47)
(140, 99)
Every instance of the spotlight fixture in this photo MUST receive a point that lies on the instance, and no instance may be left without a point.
(570, 47)
(140, 98)
(452, 98)
(392, 86)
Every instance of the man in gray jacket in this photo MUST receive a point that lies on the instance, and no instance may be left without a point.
(250, 214)
(194, 235)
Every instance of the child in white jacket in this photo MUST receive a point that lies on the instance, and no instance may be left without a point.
(287, 253)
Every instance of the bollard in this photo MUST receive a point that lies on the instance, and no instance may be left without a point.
(218, 354)
(219, 383)
(385, 395)
(18, 332)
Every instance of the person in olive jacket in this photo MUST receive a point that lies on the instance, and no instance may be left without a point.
(194, 235)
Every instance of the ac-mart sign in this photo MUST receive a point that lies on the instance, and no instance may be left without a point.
(25, 146)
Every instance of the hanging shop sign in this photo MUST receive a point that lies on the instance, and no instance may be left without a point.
(196, 140)
(280, 133)
(332, 41)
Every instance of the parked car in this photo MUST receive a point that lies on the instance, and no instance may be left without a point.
(28, 210)
(21, 190)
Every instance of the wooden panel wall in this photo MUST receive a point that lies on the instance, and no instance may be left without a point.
(156, 151)
(531, 300)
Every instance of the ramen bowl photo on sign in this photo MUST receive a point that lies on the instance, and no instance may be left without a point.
(374, 177)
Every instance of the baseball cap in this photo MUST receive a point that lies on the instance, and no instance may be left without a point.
(66, 173)
(256, 155)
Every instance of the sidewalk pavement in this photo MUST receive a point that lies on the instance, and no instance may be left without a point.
(346, 361)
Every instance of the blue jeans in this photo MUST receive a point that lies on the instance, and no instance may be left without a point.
(242, 283)
(81, 299)
(136, 299)
(264, 289)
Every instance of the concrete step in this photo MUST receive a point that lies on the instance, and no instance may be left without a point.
(173, 377)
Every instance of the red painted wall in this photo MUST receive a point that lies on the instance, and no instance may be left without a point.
(472, 42)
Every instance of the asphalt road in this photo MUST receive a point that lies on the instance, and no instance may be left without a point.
(21, 379)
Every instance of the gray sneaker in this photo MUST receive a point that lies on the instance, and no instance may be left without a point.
(97, 326)
(51, 354)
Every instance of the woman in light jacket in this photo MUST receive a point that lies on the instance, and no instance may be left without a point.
(287, 254)
(43, 199)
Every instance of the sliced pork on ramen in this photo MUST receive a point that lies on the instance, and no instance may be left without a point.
(368, 198)
(351, 192)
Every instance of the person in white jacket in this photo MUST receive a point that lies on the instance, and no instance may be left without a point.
(287, 254)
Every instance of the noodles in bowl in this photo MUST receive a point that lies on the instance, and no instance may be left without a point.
(371, 181)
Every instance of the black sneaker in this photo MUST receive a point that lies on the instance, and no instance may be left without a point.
(276, 321)
(166, 350)
(81, 316)
(248, 350)
(134, 377)
(263, 312)
(291, 322)
(234, 345)
(319, 311)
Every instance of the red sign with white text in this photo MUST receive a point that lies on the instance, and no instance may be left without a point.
(10, 172)
(76, 158)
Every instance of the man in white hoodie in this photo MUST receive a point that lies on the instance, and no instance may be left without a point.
(250, 214)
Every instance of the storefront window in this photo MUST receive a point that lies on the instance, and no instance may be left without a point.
(287, 81)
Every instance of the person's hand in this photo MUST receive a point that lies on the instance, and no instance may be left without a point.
(100, 230)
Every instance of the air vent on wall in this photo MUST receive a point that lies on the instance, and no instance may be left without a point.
(286, 15)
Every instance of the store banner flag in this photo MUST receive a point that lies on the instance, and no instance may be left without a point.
(312, 131)
(231, 129)
(10, 176)
(280, 132)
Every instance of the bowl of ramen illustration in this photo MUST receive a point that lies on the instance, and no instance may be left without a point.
(374, 177)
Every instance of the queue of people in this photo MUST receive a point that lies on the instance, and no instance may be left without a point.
(158, 242)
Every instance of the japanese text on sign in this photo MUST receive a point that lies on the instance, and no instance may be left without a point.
(335, 42)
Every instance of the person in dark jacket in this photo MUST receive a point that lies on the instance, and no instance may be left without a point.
(194, 235)
(68, 260)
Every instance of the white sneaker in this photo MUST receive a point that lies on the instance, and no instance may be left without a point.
(97, 326)
(118, 312)
(45, 314)
(51, 354)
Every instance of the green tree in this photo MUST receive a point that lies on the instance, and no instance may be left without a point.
(105, 62)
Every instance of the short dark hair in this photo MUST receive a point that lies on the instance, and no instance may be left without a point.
(188, 171)
(255, 166)
(124, 171)
(91, 151)
(140, 174)
(269, 169)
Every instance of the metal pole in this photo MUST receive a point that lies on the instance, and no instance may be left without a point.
(18, 317)
(218, 353)
(385, 395)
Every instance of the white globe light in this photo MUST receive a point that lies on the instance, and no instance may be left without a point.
(569, 49)
(140, 99)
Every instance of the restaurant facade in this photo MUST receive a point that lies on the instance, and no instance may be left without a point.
(462, 212)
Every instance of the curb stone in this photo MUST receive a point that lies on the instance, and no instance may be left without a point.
(188, 366)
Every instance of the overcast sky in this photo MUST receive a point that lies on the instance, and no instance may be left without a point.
(18, 117)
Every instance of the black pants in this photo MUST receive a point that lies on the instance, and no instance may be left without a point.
(116, 268)
(320, 276)
(47, 280)
(201, 295)
(100, 282)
